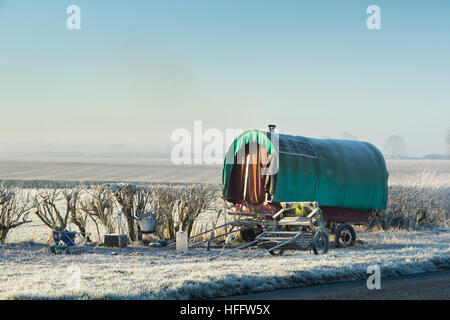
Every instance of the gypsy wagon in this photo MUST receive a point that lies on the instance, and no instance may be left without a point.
(263, 170)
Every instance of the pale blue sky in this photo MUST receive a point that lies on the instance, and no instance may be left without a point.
(137, 70)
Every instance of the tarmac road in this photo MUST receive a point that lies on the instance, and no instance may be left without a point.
(423, 286)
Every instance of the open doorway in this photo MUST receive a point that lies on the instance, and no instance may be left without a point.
(249, 181)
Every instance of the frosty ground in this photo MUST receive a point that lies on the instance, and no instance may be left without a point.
(30, 271)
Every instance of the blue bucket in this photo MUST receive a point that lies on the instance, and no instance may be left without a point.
(67, 237)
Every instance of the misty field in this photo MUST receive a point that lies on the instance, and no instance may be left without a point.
(160, 170)
(109, 170)
(411, 236)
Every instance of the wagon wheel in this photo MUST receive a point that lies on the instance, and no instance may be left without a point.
(248, 235)
(320, 242)
(345, 236)
(277, 252)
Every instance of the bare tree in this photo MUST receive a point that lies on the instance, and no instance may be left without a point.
(47, 210)
(177, 207)
(77, 217)
(395, 147)
(125, 195)
(15, 205)
(99, 206)
(163, 202)
(142, 200)
(193, 201)
(57, 217)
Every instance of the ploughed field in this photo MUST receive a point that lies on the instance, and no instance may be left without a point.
(158, 170)
(98, 170)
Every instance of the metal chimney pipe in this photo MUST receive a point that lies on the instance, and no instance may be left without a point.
(272, 127)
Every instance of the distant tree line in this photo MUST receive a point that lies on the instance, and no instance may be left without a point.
(395, 147)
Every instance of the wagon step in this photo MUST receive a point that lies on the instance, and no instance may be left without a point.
(295, 221)
(280, 235)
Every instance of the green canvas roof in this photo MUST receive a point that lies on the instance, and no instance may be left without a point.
(337, 173)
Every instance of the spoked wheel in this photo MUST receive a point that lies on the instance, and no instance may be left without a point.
(320, 242)
(345, 236)
(276, 252)
(248, 235)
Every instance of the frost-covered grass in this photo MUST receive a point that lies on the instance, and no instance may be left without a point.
(29, 271)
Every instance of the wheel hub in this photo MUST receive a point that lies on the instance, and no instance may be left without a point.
(345, 237)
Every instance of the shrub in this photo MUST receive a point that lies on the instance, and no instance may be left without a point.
(77, 216)
(48, 212)
(99, 206)
(15, 205)
(177, 207)
(415, 201)
(125, 197)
